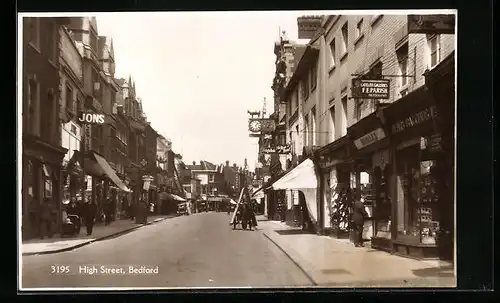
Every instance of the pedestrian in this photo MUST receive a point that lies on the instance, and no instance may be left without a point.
(90, 213)
(46, 218)
(107, 211)
(358, 219)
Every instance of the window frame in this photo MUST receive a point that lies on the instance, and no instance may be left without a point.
(333, 58)
(430, 40)
(52, 42)
(344, 31)
(34, 28)
(332, 122)
(402, 54)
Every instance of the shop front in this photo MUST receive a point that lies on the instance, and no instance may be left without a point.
(335, 197)
(42, 183)
(303, 178)
(421, 168)
(371, 177)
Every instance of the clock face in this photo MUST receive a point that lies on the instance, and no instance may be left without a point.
(255, 126)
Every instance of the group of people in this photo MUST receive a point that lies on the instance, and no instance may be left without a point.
(245, 213)
(86, 210)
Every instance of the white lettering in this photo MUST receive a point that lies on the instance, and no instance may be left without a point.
(82, 117)
(101, 119)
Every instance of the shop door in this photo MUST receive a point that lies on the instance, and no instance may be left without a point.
(447, 202)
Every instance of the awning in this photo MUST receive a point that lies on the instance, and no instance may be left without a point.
(259, 194)
(177, 198)
(110, 172)
(233, 202)
(302, 177)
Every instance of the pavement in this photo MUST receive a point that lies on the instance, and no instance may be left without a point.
(59, 243)
(330, 262)
(201, 250)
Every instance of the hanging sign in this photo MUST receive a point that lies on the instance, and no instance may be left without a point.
(369, 138)
(257, 182)
(280, 149)
(370, 89)
(91, 118)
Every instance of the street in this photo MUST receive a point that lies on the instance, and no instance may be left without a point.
(200, 250)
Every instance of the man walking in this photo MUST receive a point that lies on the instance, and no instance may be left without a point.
(358, 219)
(90, 213)
(46, 218)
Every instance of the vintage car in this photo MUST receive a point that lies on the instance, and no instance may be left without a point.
(182, 209)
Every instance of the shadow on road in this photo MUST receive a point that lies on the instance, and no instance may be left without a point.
(444, 272)
(286, 232)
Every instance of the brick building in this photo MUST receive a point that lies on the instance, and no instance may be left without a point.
(42, 157)
(365, 151)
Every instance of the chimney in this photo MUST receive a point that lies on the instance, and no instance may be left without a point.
(194, 162)
(234, 165)
(227, 163)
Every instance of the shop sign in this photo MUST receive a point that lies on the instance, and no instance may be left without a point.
(431, 24)
(369, 138)
(415, 119)
(91, 118)
(280, 149)
(257, 182)
(434, 142)
(370, 89)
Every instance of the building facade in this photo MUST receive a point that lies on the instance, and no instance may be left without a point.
(42, 158)
(385, 147)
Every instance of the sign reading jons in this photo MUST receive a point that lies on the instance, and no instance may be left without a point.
(370, 89)
(91, 118)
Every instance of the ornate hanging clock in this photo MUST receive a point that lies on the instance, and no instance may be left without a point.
(255, 126)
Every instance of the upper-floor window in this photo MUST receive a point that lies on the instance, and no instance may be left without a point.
(345, 39)
(402, 55)
(69, 98)
(433, 43)
(313, 126)
(306, 130)
(333, 61)
(359, 29)
(52, 43)
(73, 129)
(93, 41)
(314, 77)
(344, 115)
(34, 31)
(375, 19)
(332, 123)
(33, 99)
(305, 88)
(211, 178)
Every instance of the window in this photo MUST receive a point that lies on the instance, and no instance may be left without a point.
(434, 50)
(34, 31)
(73, 129)
(79, 105)
(359, 29)
(47, 114)
(306, 130)
(344, 115)
(402, 55)
(357, 111)
(314, 77)
(52, 43)
(332, 123)
(69, 98)
(313, 126)
(375, 19)
(345, 39)
(305, 88)
(47, 177)
(333, 61)
(211, 178)
(33, 100)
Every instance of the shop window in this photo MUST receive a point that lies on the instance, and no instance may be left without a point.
(47, 177)
(339, 210)
(383, 206)
(418, 197)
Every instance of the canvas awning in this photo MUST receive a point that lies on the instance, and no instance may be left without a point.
(177, 198)
(303, 178)
(258, 195)
(111, 173)
(233, 202)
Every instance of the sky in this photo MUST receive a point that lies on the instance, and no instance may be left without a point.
(198, 73)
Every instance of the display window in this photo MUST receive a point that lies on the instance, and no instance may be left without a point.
(382, 207)
(340, 207)
(418, 214)
(47, 181)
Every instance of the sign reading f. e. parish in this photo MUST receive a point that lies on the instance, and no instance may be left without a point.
(370, 89)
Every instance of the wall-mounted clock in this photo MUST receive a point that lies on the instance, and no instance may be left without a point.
(255, 126)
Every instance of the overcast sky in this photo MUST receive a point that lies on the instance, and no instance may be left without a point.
(198, 74)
